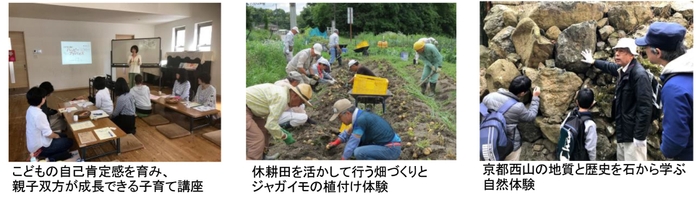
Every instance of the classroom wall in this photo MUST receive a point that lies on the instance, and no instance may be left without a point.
(47, 36)
(199, 13)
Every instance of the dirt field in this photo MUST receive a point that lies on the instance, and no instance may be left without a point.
(424, 136)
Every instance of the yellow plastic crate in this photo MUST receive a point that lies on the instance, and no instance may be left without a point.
(370, 85)
(343, 127)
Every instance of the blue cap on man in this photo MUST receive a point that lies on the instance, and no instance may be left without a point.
(663, 35)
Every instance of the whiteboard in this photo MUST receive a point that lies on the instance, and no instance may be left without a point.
(149, 49)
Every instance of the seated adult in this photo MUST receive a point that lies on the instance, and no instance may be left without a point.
(56, 120)
(40, 138)
(142, 95)
(206, 94)
(124, 114)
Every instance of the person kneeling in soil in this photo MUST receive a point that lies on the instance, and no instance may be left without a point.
(356, 68)
(319, 75)
(264, 105)
(303, 60)
(294, 116)
(369, 138)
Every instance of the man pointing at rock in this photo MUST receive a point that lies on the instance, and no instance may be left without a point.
(632, 105)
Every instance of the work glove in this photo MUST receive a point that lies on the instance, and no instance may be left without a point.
(289, 140)
(640, 143)
(587, 56)
(331, 82)
(438, 70)
(316, 77)
(432, 68)
(333, 144)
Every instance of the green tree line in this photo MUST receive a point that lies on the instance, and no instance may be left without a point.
(266, 17)
(407, 18)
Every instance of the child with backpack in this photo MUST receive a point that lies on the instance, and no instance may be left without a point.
(501, 112)
(578, 137)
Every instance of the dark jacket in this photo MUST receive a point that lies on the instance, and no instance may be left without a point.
(48, 111)
(677, 100)
(632, 106)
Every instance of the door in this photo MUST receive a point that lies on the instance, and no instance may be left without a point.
(123, 72)
(20, 65)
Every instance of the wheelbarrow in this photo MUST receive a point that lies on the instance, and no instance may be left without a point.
(372, 99)
(362, 47)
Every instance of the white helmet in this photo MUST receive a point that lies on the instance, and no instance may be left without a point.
(627, 43)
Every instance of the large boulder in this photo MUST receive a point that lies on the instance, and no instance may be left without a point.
(683, 7)
(532, 47)
(557, 90)
(571, 42)
(501, 44)
(605, 150)
(628, 17)
(499, 17)
(565, 13)
(499, 74)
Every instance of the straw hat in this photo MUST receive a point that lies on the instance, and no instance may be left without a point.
(304, 91)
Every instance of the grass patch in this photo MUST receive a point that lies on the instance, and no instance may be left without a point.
(405, 71)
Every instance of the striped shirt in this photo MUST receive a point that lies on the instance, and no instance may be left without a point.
(206, 96)
(126, 105)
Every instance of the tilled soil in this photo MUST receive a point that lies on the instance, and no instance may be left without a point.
(423, 134)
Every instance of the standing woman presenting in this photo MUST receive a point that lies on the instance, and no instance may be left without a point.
(134, 64)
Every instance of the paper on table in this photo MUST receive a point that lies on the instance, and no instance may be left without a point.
(193, 104)
(154, 97)
(204, 108)
(85, 104)
(104, 133)
(69, 109)
(82, 125)
(86, 137)
(97, 114)
(77, 101)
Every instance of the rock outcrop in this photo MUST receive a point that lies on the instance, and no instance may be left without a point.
(544, 40)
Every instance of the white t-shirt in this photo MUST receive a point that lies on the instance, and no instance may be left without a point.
(103, 101)
(135, 64)
(38, 129)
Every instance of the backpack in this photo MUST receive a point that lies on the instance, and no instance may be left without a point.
(656, 90)
(572, 138)
(495, 145)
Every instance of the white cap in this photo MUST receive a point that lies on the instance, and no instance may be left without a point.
(324, 61)
(318, 48)
(627, 43)
(352, 62)
(295, 29)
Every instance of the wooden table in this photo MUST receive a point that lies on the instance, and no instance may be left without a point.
(99, 123)
(180, 107)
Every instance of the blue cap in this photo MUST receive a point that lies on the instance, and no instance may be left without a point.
(663, 35)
